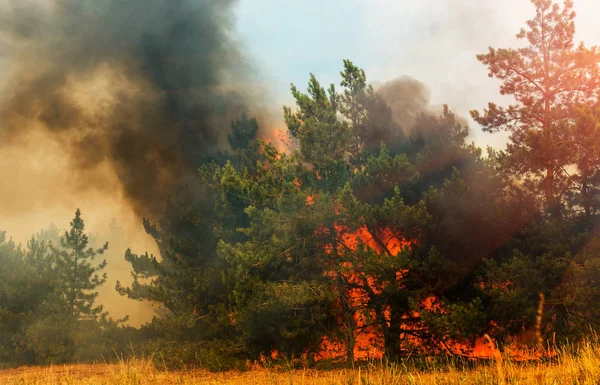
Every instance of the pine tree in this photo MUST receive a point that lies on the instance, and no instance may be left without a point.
(26, 282)
(547, 78)
(243, 142)
(368, 115)
(77, 273)
(302, 255)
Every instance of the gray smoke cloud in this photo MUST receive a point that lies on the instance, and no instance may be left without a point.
(408, 98)
(147, 86)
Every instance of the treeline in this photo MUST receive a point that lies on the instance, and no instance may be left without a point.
(409, 237)
(48, 289)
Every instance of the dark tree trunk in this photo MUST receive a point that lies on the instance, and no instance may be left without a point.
(393, 331)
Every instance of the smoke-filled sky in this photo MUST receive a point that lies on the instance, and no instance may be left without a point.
(108, 105)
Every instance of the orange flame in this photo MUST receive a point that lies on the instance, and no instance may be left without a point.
(369, 339)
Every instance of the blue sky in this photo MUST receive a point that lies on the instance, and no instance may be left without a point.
(434, 41)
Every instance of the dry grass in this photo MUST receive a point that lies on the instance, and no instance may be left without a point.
(572, 366)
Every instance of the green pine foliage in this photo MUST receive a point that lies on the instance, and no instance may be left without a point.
(270, 259)
(47, 301)
(78, 274)
(362, 227)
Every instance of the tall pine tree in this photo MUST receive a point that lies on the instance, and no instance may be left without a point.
(77, 273)
(547, 78)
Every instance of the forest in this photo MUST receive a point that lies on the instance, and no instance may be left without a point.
(354, 238)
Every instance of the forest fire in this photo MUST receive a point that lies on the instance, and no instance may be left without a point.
(368, 337)
(364, 221)
(368, 342)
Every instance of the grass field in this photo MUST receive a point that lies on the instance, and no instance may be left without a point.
(576, 366)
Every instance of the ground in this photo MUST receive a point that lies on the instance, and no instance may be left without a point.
(572, 366)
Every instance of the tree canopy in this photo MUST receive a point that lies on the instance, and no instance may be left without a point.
(362, 239)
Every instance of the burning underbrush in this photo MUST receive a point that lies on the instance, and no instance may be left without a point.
(367, 336)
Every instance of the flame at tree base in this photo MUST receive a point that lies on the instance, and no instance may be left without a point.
(368, 339)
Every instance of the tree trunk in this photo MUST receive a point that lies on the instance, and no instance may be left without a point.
(586, 199)
(549, 189)
(348, 321)
(551, 204)
(346, 308)
(392, 336)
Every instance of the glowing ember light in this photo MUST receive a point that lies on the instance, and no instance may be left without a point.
(368, 338)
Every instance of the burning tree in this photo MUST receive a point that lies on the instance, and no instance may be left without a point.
(347, 246)
(374, 239)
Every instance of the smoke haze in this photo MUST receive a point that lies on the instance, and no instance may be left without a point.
(147, 87)
(109, 106)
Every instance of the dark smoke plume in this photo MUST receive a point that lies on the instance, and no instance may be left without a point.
(148, 86)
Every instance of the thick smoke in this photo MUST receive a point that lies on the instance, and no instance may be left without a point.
(408, 98)
(146, 86)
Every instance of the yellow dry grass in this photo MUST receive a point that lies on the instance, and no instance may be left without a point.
(572, 366)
